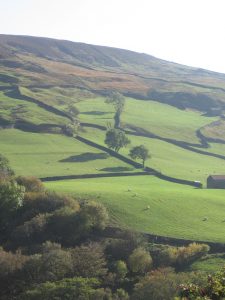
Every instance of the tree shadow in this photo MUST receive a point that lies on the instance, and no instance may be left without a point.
(97, 113)
(85, 157)
(116, 169)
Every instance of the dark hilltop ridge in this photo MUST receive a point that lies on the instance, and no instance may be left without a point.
(41, 62)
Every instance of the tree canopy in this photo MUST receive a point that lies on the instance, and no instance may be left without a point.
(116, 139)
(140, 152)
(118, 101)
(5, 169)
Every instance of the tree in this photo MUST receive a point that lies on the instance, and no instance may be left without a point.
(214, 288)
(140, 152)
(88, 261)
(140, 261)
(65, 289)
(120, 270)
(71, 129)
(5, 169)
(94, 215)
(118, 101)
(73, 111)
(163, 284)
(11, 198)
(116, 139)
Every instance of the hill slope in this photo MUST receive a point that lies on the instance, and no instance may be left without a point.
(43, 62)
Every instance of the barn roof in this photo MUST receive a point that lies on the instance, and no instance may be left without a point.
(217, 177)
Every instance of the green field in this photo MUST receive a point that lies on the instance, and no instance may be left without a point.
(210, 263)
(168, 158)
(175, 210)
(45, 154)
(12, 109)
(161, 119)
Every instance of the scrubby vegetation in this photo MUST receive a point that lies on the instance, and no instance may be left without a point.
(58, 247)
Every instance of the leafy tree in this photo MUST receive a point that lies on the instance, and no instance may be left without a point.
(118, 101)
(121, 270)
(5, 169)
(162, 284)
(31, 231)
(67, 289)
(73, 111)
(214, 288)
(94, 215)
(116, 139)
(140, 261)
(140, 152)
(45, 202)
(88, 261)
(71, 129)
(11, 198)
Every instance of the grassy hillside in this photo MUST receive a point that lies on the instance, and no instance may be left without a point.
(44, 155)
(12, 110)
(41, 78)
(175, 210)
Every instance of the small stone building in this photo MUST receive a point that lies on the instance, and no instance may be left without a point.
(216, 182)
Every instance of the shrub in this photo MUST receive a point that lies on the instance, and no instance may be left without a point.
(45, 202)
(94, 215)
(162, 284)
(31, 183)
(32, 231)
(120, 270)
(140, 261)
(186, 255)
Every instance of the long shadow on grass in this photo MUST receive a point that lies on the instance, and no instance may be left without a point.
(97, 113)
(116, 169)
(85, 157)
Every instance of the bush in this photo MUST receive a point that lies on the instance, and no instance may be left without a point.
(120, 270)
(140, 261)
(162, 284)
(45, 202)
(64, 226)
(214, 288)
(31, 183)
(94, 215)
(186, 255)
(32, 231)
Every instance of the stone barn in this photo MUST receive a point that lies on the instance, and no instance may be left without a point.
(216, 182)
